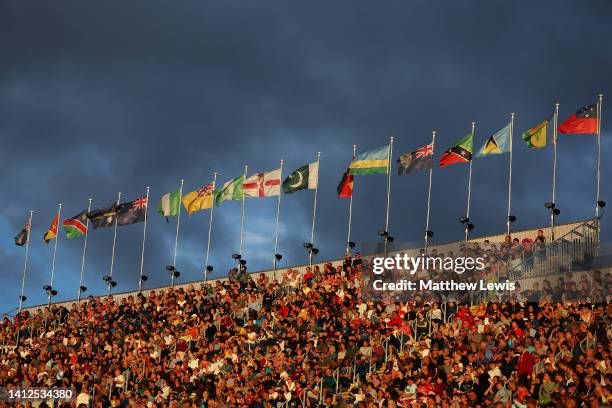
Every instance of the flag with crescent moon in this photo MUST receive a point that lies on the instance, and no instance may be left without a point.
(306, 177)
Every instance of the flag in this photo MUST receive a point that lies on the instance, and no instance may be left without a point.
(201, 199)
(103, 217)
(345, 188)
(76, 226)
(497, 144)
(132, 212)
(584, 121)
(52, 232)
(461, 152)
(305, 177)
(536, 136)
(232, 190)
(22, 237)
(421, 159)
(263, 184)
(374, 161)
(170, 204)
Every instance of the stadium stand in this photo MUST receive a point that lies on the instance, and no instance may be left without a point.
(307, 338)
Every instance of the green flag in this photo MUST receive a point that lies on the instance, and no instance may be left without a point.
(536, 136)
(232, 190)
(169, 204)
(305, 177)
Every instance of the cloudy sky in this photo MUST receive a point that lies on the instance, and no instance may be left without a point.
(100, 97)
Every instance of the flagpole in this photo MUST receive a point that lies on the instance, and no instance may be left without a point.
(144, 237)
(25, 262)
(388, 191)
(314, 210)
(554, 180)
(348, 238)
(84, 251)
(599, 112)
(57, 235)
(508, 223)
(210, 221)
(178, 224)
(433, 141)
(469, 196)
(277, 219)
(110, 275)
(246, 169)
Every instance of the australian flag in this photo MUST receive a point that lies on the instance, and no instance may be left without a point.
(103, 217)
(132, 212)
(421, 159)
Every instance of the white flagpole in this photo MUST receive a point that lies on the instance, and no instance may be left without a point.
(554, 181)
(178, 224)
(508, 223)
(277, 220)
(314, 210)
(84, 251)
(246, 169)
(110, 275)
(57, 235)
(210, 221)
(433, 144)
(469, 196)
(348, 238)
(25, 262)
(388, 191)
(144, 237)
(599, 112)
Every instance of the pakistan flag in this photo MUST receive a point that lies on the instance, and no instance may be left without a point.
(305, 177)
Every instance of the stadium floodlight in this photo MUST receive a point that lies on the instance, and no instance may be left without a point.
(315, 251)
(389, 238)
(82, 289)
(107, 278)
(549, 205)
(144, 278)
(176, 274)
(601, 204)
(47, 288)
(511, 218)
(383, 233)
(209, 268)
(170, 268)
(470, 226)
(236, 256)
(278, 257)
(307, 245)
(351, 244)
(243, 262)
(53, 292)
(556, 211)
(429, 234)
(23, 298)
(113, 283)
(464, 219)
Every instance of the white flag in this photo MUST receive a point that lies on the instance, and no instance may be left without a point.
(263, 184)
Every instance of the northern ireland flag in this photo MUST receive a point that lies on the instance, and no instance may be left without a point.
(263, 184)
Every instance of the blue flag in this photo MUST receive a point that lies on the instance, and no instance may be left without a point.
(497, 144)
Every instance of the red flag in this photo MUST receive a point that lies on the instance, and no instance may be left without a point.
(583, 122)
(52, 232)
(345, 188)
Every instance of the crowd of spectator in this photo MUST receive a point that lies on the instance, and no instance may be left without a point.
(310, 339)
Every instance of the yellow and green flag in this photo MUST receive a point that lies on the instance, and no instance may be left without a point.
(536, 136)
(374, 161)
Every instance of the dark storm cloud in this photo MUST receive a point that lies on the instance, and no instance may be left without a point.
(97, 98)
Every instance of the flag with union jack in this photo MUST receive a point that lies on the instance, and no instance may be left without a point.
(200, 199)
(421, 159)
(132, 212)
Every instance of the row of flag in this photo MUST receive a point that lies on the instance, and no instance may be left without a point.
(266, 184)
